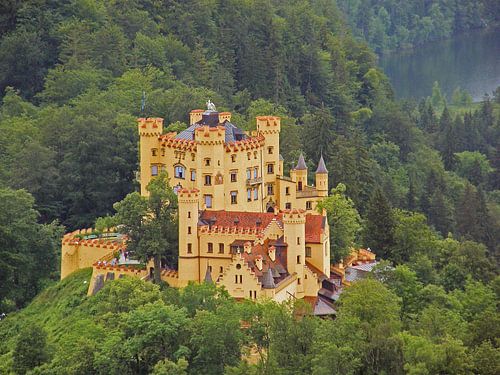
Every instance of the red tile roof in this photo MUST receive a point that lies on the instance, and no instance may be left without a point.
(315, 224)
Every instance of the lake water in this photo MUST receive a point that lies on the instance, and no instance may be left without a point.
(470, 61)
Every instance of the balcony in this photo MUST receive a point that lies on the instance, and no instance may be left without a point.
(308, 192)
(254, 181)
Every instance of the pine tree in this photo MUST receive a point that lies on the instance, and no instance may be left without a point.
(439, 213)
(447, 140)
(379, 225)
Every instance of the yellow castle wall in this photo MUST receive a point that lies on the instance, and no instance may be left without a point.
(240, 281)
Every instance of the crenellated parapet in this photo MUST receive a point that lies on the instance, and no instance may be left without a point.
(250, 143)
(294, 216)
(207, 135)
(188, 195)
(150, 127)
(268, 124)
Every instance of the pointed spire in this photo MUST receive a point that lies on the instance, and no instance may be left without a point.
(268, 279)
(321, 166)
(301, 164)
(208, 276)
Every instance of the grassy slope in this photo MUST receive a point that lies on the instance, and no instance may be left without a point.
(54, 309)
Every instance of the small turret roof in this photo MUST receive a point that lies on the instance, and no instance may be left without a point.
(268, 280)
(301, 164)
(321, 166)
(208, 277)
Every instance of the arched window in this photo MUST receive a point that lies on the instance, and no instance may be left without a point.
(180, 171)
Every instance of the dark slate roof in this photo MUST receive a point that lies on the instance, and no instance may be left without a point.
(268, 280)
(301, 164)
(233, 133)
(321, 166)
(208, 277)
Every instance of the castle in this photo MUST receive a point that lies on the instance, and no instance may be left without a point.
(243, 224)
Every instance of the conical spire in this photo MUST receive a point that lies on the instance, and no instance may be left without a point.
(301, 164)
(321, 166)
(208, 276)
(268, 280)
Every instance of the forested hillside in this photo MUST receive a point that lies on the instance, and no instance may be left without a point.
(419, 183)
(390, 24)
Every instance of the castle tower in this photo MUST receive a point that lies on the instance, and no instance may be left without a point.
(189, 261)
(269, 127)
(321, 175)
(150, 165)
(299, 173)
(294, 229)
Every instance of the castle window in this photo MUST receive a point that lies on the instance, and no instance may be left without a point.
(233, 158)
(249, 174)
(250, 294)
(308, 251)
(249, 195)
(221, 248)
(234, 197)
(193, 157)
(255, 194)
(210, 247)
(287, 191)
(255, 172)
(241, 279)
(154, 170)
(236, 279)
(249, 155)
(190, 248)
(208, 180)
(207, 162)
(233, 176)
(270, 168)
(299, 188)
(193, 175)
(189, 214)
(208, 201)
(270, 150)
(189, 230)
(298, 240)
(288, 206)
(221, 269)
(163, 152)
(179, 171)
(154, 151)
(298, 281)
(238, 266)
(255, 294)
(210, 269)
(255, 154)
(270, 189)
(308, 205)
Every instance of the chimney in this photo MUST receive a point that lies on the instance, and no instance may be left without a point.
(248, 247)
(258, 262)
(272, 253)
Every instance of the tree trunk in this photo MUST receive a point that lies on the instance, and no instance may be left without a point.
(157, 270)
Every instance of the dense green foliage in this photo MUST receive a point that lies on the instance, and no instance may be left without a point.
(131, 327)
(418, 183)
(390, 24)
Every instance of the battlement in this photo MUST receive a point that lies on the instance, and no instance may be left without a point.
(152, 126)
(249, 143)
(294, 216)
(188, 195)
(268, 124)
(210, 135)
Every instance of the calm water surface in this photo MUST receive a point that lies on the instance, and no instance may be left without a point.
(470, 61)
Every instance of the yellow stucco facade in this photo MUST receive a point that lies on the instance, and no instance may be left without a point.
(243, 224)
